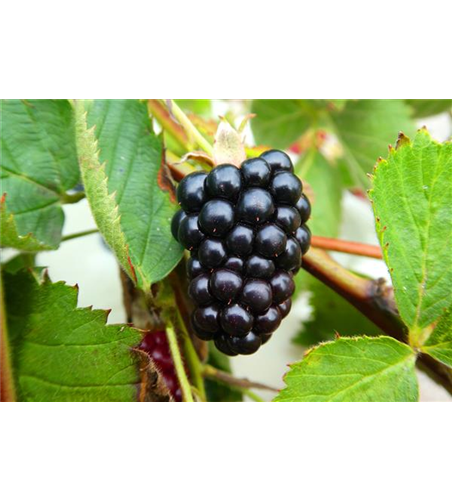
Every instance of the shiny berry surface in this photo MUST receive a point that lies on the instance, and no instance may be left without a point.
(179, 216)
(216, 218)
(282, 286)
(255, 206)
(259, 267)
(245, 345)
(268, 322)
(225, 285)
(285, 307)
(278, 161)
(290, 259)
(303, 236)
(257, 295)
(207, 318)
(287, 218)
(189, 234)
(224, 181)
(236, 320)
(191, 194)
(222, 344)
(211, 253)
(246, 233)
(240, 240)
(256, 172)
(194, 267)
(286, 188)
(199, 290)
(234, 264)
(270, 241)
(304, 208)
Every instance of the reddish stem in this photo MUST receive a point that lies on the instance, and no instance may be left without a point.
(343, 246)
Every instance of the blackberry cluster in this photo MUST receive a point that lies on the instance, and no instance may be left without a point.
(245, 229)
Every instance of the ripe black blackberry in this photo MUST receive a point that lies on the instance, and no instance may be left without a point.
(246, 231)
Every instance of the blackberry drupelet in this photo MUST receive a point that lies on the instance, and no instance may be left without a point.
(246, 231)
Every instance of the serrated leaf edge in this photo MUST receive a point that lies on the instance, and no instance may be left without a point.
(89, 153)
(9, 221)
(402, 142)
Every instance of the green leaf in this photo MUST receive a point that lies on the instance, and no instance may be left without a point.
(439, 344)
(127, 186)
(280, 122)
(326, 184)
(10, 237)
(61, 353)
(365, 128)
(429, 107)
(412, 200)
(331, 313)
(354, 369)
(202, 107)
(20, 261)
(38, 165)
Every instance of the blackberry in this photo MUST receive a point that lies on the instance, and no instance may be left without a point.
(206, 318)
(191, 194)
(225, 284)
(216, 218)
(189, 234)
(278, 160)
(257, 295)
(176, 222)
(194, 268)
(222, 343)
(303, 236)
(270, 241)
(287, 218)
(282, 286)
(286, 188)
(211, 253)
(236, 320)
(304, 208)
(245, 345)
(245, 229)
(234, 264)
(258, 267)
(256, 172)
(255, 206)
(240, 240)
(224, 181)
(268, 322)
(290, 259)
(285, 307)
(199, 290)
(265, 337)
